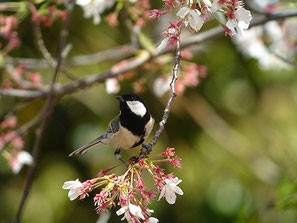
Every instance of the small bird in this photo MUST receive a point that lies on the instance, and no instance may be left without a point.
(127, 130)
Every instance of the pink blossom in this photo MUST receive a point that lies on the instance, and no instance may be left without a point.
(169, 152)
(155, 13)
(14, 42)
(112, 19)
(86, 188)
(34, 77)
(62, 14)
(175, 162)
(18, 142)
(186, 54)
(8, 135)
(169, 3)
(9, 123)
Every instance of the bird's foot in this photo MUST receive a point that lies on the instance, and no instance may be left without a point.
(144, 152)
(133, 160)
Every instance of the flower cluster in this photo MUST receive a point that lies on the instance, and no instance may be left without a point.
(47, 15)
(8, 25)
(16, 158)
(128, 191)
(190, 74)
(194, 13)
(94, 8)
(20, 77)
(138, 11)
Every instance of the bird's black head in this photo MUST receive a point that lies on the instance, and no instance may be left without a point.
(132, 103)
(128, 97)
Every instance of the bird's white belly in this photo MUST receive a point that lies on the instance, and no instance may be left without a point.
(123, 139)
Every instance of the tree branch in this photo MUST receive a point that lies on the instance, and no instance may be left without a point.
(140, 60)
(48, 109)
(172, 96)
(115, 53)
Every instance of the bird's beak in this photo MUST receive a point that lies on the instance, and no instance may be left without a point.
(120, 98)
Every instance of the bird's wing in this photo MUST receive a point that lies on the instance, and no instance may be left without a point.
(149, 127)
(114, 125)
(85, 148)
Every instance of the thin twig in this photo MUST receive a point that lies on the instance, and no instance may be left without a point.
(48, 109)
(116, 53)
(172, 96)
(146, 149)
(138, 61)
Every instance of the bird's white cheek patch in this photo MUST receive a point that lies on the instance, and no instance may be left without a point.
(137, 107)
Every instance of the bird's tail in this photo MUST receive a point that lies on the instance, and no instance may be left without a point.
(85, 148)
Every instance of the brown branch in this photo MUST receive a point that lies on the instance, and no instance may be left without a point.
(115, 53)
(140, 60)
(48, 109)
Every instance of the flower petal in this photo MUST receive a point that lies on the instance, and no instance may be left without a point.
(170, 197)
(178, 190)
(122, 210)
(152, 220)
(244, 15)
(183, 12)
(162, 45)
(162, 193)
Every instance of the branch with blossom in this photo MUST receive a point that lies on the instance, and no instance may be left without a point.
(127, 188)
(136, 61)
(129, 191)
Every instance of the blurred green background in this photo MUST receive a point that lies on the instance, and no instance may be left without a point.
(236, 134)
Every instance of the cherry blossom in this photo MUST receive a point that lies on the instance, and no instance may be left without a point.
(129, 190)
(112, 85)
(152, 220)
(170, 189)
(93, 8)
(130, 211)
(18, 159)
(74, 187)
(238, 20)
(191, 17)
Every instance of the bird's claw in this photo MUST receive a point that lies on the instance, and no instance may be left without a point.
(145, 151)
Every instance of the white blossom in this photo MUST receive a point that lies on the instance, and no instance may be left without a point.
(93, 8)
(240, 22)
(164, 42)
(161, 86)
(215, 6)
(170, 189)
(128, 210)
(74, 187)
(207, 3)
(162, 45)
(192, 17)
(251, 45)
(136, 211)
(112, 86)
(21, 158)
(152, 220)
